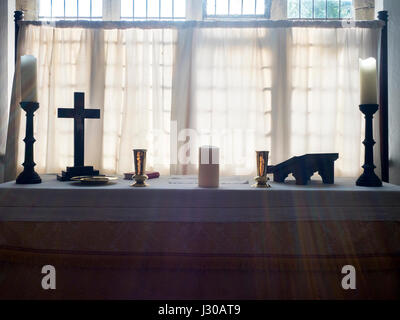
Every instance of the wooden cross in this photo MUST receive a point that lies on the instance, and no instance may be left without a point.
(79, 114)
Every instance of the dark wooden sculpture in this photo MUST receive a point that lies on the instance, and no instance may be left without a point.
(305, 166)
(79, 114)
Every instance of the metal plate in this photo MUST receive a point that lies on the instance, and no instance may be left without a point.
(94, 180)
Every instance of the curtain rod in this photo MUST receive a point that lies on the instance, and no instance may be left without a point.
(370, 24)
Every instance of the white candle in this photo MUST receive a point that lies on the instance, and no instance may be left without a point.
(368, 81)
(28, 79)
(208, 167)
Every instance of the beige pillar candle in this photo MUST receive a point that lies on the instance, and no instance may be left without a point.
(208, 167)
(368, 81)
(28, 79)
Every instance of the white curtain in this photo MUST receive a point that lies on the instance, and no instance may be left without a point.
(125, 73)
(324, 94)
(288, 90)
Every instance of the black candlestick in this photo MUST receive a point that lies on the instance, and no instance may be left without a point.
(29, 176)
(369, 178)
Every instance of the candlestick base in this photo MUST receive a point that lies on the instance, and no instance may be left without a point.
(262, 182)
(369, 180)
(140, 181)
(29, 177)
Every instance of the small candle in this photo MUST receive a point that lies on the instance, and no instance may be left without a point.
(28, 79)
(368, 81)
(208, 167)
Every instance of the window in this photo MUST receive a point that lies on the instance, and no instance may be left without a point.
(70, 9)
(237, 8)
(153, 9)
(320, 9)
(177, 9)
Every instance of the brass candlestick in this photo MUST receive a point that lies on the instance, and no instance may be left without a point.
(262, 167)
(140, 168)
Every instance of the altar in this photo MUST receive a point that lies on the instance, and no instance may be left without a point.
(178, 241)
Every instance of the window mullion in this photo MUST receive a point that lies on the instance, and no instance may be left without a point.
(299, 9)
(112, 10)
(106, 10)
(194, 9)
(313, 9)
(326, 8)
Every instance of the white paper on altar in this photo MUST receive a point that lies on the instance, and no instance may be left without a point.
(191, 179)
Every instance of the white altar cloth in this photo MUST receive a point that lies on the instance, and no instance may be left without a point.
(175, 241)
(54, 201)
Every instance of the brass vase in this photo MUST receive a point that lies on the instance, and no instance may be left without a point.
(262, 168)
(140, 168)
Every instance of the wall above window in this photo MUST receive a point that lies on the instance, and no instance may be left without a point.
(30, 8)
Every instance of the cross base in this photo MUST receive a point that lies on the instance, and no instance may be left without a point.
(77, 172)
(369, 179)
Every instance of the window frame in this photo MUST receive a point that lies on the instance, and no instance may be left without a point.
(326, 8)
(64, 17)
(195, 10)
(111, 11)
(266, 15)
(148, 18)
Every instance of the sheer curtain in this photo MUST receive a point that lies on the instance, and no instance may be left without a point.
(230, 74)
(287, 90)
(324, 94)
(125, 73)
